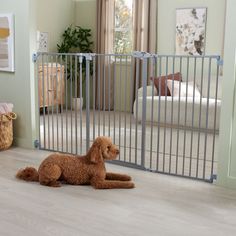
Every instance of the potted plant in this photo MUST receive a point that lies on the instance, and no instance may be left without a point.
(76, 40)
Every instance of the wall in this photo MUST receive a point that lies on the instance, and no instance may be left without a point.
(54, 17)
(20, 87)
(16, 87)
(85, 15)
(227, 150)
(214, 29)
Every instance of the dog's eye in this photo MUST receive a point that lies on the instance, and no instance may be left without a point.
(108, 147)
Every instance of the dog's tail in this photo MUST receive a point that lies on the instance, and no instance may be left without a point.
(28, 174)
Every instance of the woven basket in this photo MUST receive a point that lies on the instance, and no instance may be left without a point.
(6, 131)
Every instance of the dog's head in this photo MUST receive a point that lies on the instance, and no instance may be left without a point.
(103, 149)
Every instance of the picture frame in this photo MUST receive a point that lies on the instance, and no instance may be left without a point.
(7, 43)
(190, 31)
(42, 41)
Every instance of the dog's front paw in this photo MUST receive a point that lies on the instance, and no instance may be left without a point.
(126, 178)
(130, 185)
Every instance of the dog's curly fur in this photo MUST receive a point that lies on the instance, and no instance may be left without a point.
(78, 170)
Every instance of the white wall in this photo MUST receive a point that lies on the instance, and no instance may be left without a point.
(214, 29)
(54, 17)
(227, 142)
(16, 87)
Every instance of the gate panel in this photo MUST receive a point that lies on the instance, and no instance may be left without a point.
(162, 111)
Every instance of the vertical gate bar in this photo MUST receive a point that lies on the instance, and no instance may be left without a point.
(185, 117)
(144, 85)
(207, 111)
(159, 112)
(104, 94)
(81, 104)
(172, 101)
(109, 95)
(131, 105)
(56, 79)
(38, 82)
(178, 127)
(125, 105)
(120, 104)
(152, 69)
(43, 90)
(48, 102)
(76, 95)
(71, 101)
(114, 89)
(99, 92)
(66, 74)
(193, 110)
(51, 78)
(164, 142)
(137, 98)
(215, 114)
(94, 73)
(87, 104)
(200, 118)
(61, 109)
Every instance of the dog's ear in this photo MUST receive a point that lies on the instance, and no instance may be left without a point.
(95, 154)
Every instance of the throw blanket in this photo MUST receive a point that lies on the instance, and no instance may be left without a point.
(5, 108)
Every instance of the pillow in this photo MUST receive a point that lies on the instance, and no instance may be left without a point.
(177, 76)
(176, 87)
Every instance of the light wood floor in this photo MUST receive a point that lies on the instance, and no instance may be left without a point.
(159, 205)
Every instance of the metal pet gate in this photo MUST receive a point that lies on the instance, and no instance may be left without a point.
(123, 98)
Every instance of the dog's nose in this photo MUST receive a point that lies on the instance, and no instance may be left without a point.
(117, 152)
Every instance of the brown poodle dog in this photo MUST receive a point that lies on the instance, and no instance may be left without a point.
(78, 170)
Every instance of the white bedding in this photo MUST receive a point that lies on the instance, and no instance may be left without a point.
(184, 112)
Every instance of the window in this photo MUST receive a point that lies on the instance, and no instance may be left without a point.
(123, 36)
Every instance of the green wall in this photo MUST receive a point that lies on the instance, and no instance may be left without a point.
(18, 87)
(227, 148)
(214, 28)
(54, 17)
(86, 15)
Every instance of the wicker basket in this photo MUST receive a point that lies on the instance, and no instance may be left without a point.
(6, 131)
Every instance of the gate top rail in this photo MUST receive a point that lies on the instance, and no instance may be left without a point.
(134, 54)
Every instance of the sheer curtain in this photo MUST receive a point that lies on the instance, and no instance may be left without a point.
(104, 44)
(145, 35)
(145, 30)
(145, 25)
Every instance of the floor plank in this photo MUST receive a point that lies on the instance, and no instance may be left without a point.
(159, 205)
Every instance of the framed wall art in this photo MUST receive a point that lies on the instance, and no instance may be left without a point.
(42, 41)
(190, 31)
(7, 42)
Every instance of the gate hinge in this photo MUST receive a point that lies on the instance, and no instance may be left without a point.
(36, 143)
(220, 62)
(89, 56)
(34, 57)
(213, 177)
(142, 55)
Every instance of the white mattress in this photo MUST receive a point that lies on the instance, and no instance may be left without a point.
(183, 112)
